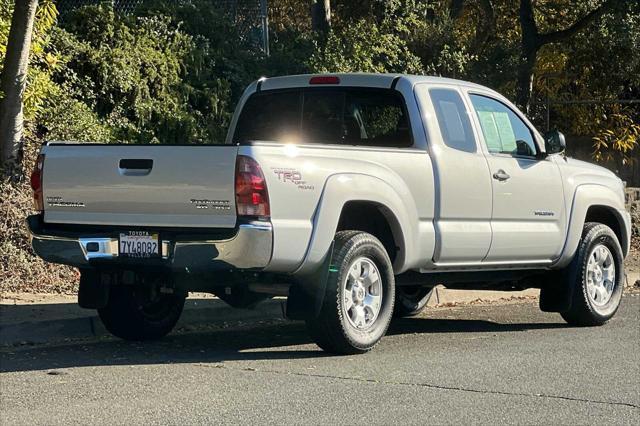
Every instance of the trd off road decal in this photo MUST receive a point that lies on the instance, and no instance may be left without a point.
(293, 176)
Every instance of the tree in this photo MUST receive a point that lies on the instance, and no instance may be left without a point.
(13, 81)
(321, 15)
(532, 41)
(487, 26)
(455, 9)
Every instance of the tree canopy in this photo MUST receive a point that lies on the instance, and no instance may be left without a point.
(172, 71)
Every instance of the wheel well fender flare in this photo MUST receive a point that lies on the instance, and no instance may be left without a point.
(340, 189)
(585, 197)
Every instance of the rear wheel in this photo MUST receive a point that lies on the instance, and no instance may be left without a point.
(359, 298)
(597, 272)
(137, 313)
(411, 300)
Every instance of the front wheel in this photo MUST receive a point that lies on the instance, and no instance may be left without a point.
(137, 313)
(359, 298)
(597, 274)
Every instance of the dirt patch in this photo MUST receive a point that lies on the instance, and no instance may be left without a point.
(513, 300)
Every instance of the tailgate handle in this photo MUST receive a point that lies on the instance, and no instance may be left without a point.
(135, 166)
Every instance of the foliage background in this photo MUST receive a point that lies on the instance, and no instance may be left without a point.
(171, 72)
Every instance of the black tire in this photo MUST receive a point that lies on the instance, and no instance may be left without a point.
(333, 330)
(411, 300)
(584, 311)
(131, 315)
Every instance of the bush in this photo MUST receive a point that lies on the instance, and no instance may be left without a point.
(363, 47)
(134, 80)
(67, 118)
(20, 269)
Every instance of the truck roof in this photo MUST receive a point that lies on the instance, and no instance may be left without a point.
(357, 79)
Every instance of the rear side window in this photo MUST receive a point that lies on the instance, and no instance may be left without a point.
(453, 119)
(348, 116)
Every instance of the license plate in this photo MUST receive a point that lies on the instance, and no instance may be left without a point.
(139, 244)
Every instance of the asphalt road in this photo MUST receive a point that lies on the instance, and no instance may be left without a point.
(474, 364)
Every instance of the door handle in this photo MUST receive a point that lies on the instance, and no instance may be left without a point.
(135, 166)
(501, 175)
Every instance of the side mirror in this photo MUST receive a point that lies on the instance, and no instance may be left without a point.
(554, 142)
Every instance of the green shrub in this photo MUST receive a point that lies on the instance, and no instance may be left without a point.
(134, 74)
(363, 47)
(66, 118)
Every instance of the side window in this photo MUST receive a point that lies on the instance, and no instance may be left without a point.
(504, 132)
(453, 119)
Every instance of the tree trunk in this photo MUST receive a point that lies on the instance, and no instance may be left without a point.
(13, 81)
(321, 15)
(528, 55)
(524, 85)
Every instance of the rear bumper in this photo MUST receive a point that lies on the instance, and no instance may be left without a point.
(249, 248)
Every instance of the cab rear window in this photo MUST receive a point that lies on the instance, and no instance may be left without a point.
(342, 116)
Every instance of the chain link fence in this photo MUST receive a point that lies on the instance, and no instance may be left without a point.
(126, 6)
(249, 16)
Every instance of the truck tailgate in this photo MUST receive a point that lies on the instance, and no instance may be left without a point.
(134, 185)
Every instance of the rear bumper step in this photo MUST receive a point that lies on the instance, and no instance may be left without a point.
(249, 248)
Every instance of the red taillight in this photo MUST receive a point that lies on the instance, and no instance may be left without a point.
(36, 183)
(325, 79)
(252, 198)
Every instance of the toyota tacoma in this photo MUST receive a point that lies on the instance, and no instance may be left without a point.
(351, 194)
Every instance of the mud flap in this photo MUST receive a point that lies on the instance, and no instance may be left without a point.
(94, 289)
(558, 297)
(307, 294)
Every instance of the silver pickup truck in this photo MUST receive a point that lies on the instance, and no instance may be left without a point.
(351, 194)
